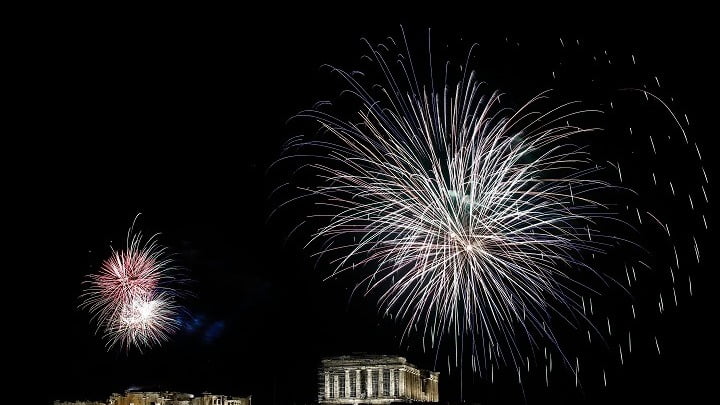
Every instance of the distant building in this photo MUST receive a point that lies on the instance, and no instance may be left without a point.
(78, 403)
(165, 398)
(175, 398)
(374, 379)
(210, 399)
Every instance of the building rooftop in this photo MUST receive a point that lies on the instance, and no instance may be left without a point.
(364, 359)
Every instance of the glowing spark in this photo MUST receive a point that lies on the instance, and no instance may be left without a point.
(577, 370)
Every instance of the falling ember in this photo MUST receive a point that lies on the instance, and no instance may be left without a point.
(577, 371)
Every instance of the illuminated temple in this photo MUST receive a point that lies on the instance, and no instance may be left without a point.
(373, 379)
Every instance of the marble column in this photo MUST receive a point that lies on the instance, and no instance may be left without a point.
(392, 382)
(411, 384)
(369, 382)
(381, 382)
(347, 383)
(358, 384)
(327, 385)
(336, 386)
(415, 386)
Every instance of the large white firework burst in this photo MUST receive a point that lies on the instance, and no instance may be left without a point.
(478, 221)
(472, 214)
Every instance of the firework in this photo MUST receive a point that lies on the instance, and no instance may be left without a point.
(143, 322)
(478, 221)
(132, 299)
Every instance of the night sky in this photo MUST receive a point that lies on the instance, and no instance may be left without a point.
(178, 116)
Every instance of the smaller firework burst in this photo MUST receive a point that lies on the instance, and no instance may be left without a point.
(132, 298)
(143, 323)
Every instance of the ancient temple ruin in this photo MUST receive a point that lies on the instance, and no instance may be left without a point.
(374, 379)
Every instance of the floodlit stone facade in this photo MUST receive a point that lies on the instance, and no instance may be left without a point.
(374, 379)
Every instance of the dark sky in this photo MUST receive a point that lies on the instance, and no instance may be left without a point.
(178, 115)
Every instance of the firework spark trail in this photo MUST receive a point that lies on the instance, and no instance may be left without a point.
(131, 298)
